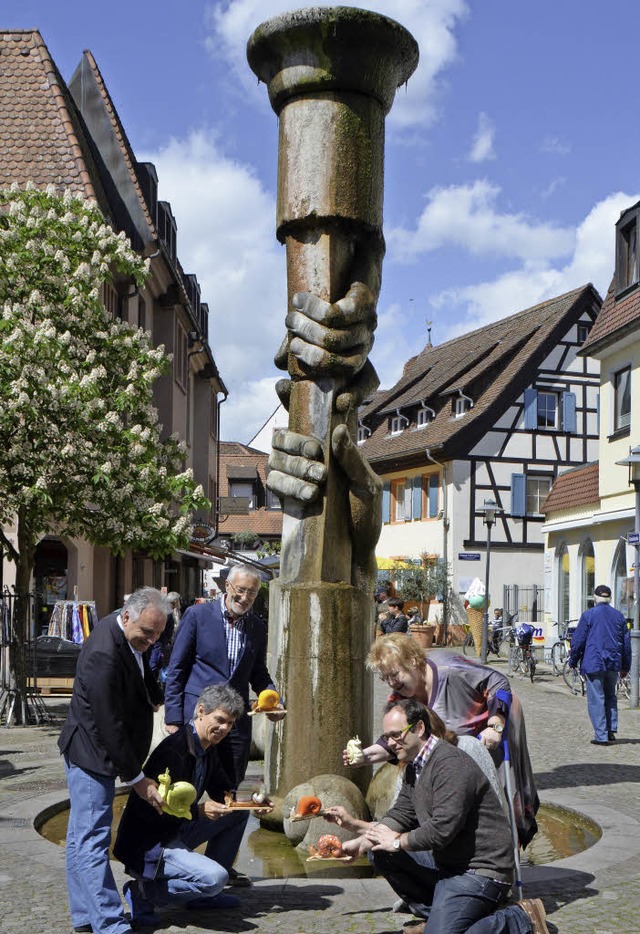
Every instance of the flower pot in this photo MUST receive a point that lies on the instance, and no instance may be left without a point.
(423, 635)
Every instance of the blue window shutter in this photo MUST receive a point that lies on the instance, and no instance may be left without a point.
(417, 498)
(386, 501)
(518, 494)
(434, 488)
(569, 412)
(531, 409)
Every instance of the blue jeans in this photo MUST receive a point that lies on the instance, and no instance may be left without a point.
(464, 903)
(184, 875)
(602, 702)
(93, 896)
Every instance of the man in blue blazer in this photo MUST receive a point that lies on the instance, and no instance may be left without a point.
(107, 734)
(221, 643)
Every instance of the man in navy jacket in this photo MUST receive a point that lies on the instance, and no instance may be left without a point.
(221, 643)
(602, 646)
(107, 734)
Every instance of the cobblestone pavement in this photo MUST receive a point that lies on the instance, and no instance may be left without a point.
(594, 892)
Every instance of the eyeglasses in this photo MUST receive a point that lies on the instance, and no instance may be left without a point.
(391, 677)
(397, 734)
(243, 591)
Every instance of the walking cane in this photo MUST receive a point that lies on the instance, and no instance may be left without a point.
(506, 698)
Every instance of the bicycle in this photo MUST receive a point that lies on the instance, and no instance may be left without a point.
(573, 679)
(560, 649)
(623, 686)
(499, 642)
(521, 655)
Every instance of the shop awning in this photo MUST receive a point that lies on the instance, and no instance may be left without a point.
(239, 472)
(205, 561)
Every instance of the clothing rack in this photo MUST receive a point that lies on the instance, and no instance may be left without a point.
(73, 620)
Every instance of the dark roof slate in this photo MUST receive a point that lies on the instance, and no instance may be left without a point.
(617, 316)
(492, 364)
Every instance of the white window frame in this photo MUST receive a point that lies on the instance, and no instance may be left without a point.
(623, 421)
(532, 478)
(542, 409)
(397, 424)
(423, 418)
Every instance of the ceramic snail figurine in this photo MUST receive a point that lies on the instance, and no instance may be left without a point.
(329, 847)
(355, 754)
(268, 700)
(308, 805)
(177, 796)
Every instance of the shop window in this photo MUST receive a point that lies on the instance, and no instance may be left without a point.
(564, 581)
(588, 574)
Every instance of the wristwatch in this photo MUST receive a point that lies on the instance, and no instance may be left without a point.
(396, 843)
(498, 727)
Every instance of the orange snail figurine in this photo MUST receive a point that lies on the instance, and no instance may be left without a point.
(308, 804)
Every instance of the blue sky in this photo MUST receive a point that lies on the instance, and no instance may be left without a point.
(509, 158)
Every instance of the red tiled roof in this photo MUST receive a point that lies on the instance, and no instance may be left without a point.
(491, 365)
(40, 140)
(616, 315)
(577, 487)
(236, 458)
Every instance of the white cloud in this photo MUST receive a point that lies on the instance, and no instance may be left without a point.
(592, 260)
(555, 146)
(431, 24)
(467, 216)
(226, 236)
(482, 145)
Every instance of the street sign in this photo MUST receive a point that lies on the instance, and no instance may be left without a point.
(468, 556)
(633, 538)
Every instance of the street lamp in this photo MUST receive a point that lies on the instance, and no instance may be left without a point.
(633, 462)
(490, 510)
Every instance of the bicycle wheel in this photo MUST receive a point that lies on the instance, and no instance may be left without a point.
(469, 646)
(623, 686)
(515, 658)
(572, 679)
(558, 657)
(532, 665)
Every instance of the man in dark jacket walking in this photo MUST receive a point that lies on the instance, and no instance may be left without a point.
(601, 645)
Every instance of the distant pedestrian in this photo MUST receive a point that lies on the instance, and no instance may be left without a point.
(396, 621)
(413, 615)
(601, 645)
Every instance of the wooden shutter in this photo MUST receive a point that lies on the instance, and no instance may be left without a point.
(569, 412)
(518, 494)
(531, 409)
(417, 498)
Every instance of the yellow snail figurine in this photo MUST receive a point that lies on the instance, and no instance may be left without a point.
(177, 796)
(268, 700)
(355, 754)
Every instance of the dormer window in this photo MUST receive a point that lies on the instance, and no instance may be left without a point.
(363, 433)
(460, 405)
(397, 424)
(627, 256)
(424, 417)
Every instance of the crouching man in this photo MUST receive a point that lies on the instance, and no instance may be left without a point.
(445, 846)
(157, 849)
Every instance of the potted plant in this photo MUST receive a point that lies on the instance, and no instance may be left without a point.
(421, 584)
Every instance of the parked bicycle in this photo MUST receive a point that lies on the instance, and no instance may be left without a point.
(560, 649)
(573, 679)
(500, 639)
(521, 655)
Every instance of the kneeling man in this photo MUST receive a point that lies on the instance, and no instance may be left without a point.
(445, 846)
(157, 849)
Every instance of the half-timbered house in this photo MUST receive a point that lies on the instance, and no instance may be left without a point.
(493, 414)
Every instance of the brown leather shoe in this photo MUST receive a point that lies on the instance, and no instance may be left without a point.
(416, 926)
(534, 910)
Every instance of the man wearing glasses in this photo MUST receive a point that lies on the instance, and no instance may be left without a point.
(221, 643)
(444, 846)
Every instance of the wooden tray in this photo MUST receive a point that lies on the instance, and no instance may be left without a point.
(330, 859)
(298, 817)
(252, 713)
(248, 806)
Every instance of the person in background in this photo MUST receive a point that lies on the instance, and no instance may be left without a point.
(396, 621)
(158, 849)
(160, 653)
(107, 734)
(414, 616)
(222, 642)
(601, 645)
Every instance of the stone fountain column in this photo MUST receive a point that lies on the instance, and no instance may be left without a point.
(331, 74)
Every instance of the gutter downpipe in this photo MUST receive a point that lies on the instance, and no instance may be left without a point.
(445, 543)
(216, 505)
